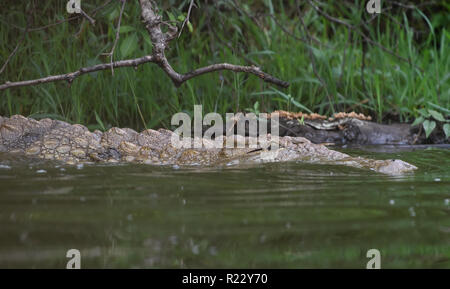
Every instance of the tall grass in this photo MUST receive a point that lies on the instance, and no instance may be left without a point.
(388, 88)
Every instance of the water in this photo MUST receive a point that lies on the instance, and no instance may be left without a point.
(285, 215)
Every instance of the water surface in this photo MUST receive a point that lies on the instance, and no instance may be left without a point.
(285, 215)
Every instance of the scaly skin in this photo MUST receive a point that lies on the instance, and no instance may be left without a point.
(73, 144)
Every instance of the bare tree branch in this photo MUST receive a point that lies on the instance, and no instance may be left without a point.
(69, 77)
(160, 40)
(236, 68)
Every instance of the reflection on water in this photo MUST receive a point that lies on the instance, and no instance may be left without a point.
(286, 215)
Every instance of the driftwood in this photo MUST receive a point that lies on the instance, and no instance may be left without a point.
(353, 131)
(349, 131)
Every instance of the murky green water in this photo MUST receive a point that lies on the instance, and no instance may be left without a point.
(286, 215)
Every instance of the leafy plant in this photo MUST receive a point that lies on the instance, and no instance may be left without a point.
(289, 99)
(254, 109)
(428, 118)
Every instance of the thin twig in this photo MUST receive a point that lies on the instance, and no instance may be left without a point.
(80, 29)
(111, 53)
(93, 13)
(187, 17)
(331, 18)
(243, 11)
(406, 6)
(14, 51)
(18, 43)
(368, 39)
(54, 24)
(85, 16)
(291, 34)
(89, 18)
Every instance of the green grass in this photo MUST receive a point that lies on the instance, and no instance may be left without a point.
(392, 89)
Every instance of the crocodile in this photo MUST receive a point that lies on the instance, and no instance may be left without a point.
(75, 144)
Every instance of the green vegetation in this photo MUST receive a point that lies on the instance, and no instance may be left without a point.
(428, 120)
(402, 72)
